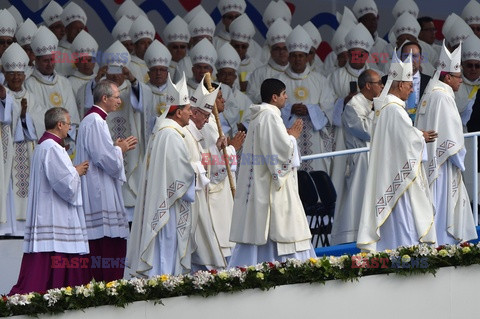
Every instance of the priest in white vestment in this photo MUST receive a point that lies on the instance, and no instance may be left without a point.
(397, 206)
(160, 242)
(357, 121)
(278, 62)
(121, 31)
(50, 88)
(269, 223)
(24, 36)
(446, 155)
(105, 215)
(142, 34)
(18, 138)
(86, 48)
(176, 36)
(208, 253)
(51, 16)
(75, 20)
(55, 233)
(310, 98)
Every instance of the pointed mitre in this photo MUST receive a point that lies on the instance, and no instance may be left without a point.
(73, 12)
(198, 94)
(456, 30)
(242, 29)
(14, 59)
(52, 13)
(227, 57)
(347, 17)
(359, 38)
(275, 10)
(44, 42)
(8, 25)
(204, 52)
(225, 6)
(16, 15)
(278, 32)
(471, 48)
(471, 12)
(314, 34)
(192, 13)
(141, 28)
(363, 7)
(176, 31)
(406, 24)
(177, 94)
(129, 9)
(201, 24)
(449, 62)
(157, 54)
(116, 55)
(121, 31)
(299, 40)
(85, 44)
(403, 6)
(25, 32)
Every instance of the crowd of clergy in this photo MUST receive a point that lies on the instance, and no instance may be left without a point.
(116, 155)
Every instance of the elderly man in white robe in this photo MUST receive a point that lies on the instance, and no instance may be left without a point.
(311, 98)
(105, 215)
(176, 36)
(446, 155)
(397, 207)
(50, 88)
(268, 222)
(278, 62)
(142, 34)
(18, 141)
(208, 253)
(357, 122)
(75, 20)
(127, 119)
(160, 242)
(55, 233)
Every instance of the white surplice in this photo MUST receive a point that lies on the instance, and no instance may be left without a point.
(397, 208)
(318, 135)
(55, 219)
(267, 208)
(102, 186)
(161, 229)
(357, 121)
(453, 214)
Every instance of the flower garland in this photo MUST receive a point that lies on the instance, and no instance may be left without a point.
(403, 261)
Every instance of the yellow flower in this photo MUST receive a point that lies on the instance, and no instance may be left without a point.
(466, 250)
(363, 254)
(111, 284)
(223, 275)
(68, 291)
(282, 270)
(443, 253)
(260, 275)
(163, 278)
(406, 258)
(313, 260)
(88, 286)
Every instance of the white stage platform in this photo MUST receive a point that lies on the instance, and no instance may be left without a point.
(450, 294)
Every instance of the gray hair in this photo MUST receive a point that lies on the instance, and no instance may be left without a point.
(365, 77)
(53, 116)
(103, 88)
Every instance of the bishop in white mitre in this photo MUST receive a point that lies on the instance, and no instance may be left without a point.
(49, 87)
(75, 20)
(160, 242)
(127, 119)
(311, 98)
(176, 37)
(397, 207)
(446, 155)
(18, 141)
(142, 34)
(24, 36)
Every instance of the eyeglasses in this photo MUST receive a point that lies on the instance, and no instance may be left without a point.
(455, 76)
(379, 82)
(7, 42)
(67, 123)
(472, 65)
(115, 97)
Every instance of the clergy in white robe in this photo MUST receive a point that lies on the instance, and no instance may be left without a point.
(142, 33)
(446, 155)
(160, 242)
(208, 253)
(269, 222)
(357, 121)
(311, 98)
(105, 214)
(397, 207)
(55, 233)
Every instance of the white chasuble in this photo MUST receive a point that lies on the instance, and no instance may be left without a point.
(453, 218)
(396, 190)
(267, 204)
(162, 210)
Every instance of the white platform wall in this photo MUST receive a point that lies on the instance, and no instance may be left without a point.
(451, 294)
(11, 252)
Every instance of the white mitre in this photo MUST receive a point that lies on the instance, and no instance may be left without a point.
(25, 32)
(204, 52)
(176, 31)
(227, 57)
(14, 59)
(471, 12)
(403, 6)
(141, 28)
(299, 40)
(225, 6)
(130, 10)
(73, 12)
(8, 25)
(201, 24)
(275, 10)
(363, 7)
(278, 32)
(471, 49)
(359, 38)
(52, 13)
(314, 34)
(44, 42)
(242, 29)
(157, 54)
(116, 55)
(121, 31)
(85, 44)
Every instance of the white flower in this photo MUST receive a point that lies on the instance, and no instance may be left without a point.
(423, 250)
(138, 284)
(201, 278)
(172, 282)
(19, 300)
(294, 262)
(52, 296)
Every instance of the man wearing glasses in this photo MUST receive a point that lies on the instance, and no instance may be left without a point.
(446, 155)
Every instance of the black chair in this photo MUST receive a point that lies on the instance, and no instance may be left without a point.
(328, 197)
